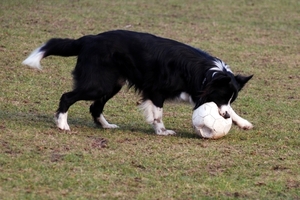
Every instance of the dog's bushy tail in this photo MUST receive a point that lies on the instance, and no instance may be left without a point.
(56, 47)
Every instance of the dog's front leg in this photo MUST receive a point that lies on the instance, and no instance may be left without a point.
(241, 122)
(158, 124)
(153, 116)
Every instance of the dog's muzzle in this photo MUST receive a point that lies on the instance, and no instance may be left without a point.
(226, 115)
(225, 111)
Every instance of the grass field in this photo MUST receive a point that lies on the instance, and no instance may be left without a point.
(38, 161)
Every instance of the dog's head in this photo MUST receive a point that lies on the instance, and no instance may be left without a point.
(222, 89)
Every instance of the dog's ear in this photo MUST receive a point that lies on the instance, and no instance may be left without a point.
(242, 80)
(221, 80)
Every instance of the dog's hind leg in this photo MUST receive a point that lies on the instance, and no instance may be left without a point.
(66, 100)
(96, 109)
(153, 116)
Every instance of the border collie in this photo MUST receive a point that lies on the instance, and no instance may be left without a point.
(158, 68)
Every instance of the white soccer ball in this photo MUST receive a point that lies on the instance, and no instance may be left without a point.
(208, 123)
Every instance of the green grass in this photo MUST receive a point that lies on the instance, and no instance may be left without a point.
(38, 161)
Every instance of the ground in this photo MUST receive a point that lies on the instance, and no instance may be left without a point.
(38, 161)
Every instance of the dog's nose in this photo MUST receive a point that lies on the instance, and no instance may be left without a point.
(226, 116)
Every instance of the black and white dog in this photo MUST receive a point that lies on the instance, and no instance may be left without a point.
(158, 68)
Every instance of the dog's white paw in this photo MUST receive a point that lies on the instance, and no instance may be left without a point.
(64, 127)
(165, 132)
(110, 126)
(61, 121)
(245, 125)
(104, 123)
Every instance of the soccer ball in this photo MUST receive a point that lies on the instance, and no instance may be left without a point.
(208, 123)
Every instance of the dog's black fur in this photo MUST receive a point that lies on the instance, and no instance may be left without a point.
(156, 67)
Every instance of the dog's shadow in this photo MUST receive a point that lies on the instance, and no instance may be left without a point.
(24, 119)
(46, 121)
(148, 130)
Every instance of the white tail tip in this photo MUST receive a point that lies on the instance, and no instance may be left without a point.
(33, 60)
